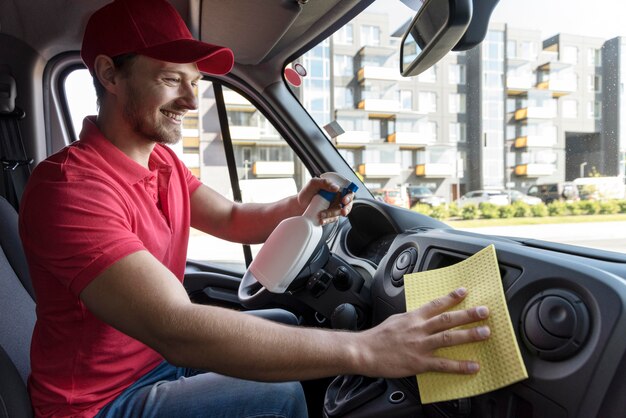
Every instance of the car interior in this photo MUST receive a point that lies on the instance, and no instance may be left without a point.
(567, 303)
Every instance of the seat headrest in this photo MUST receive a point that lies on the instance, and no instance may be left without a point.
(7, 93)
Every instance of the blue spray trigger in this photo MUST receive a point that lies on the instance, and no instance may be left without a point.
(331, 196)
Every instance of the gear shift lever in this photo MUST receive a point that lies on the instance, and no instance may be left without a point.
(344, 317)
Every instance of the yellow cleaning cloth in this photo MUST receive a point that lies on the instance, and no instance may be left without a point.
(500, 360)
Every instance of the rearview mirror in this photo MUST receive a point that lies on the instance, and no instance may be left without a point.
(435, 30)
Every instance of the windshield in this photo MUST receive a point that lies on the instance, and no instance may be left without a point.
(537, 102)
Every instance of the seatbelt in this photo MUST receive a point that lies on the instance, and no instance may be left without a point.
(15, 163)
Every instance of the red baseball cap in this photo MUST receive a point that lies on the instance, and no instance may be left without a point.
(152, 28)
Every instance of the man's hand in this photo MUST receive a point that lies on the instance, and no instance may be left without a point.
(404, 344)
(339, 207)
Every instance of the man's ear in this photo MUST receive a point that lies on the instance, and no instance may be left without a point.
(105, 70)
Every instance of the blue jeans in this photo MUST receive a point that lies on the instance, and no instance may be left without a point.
(170, 391)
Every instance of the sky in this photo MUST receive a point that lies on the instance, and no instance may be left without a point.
(599, 18)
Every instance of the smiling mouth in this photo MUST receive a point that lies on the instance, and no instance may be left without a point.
(178, 117)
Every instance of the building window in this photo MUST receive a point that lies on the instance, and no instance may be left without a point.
(406, 99)
(457, 132)
(344, 98)
(431, 128)
(597, 83)
(427, 101)
(370, 35)
(594, 56)
(570, 55)
(511, 49)
(456, 74)
(406, 159)
(590, 82)
(527, 50)
(344, 65)
(344, 35)
(456, 103)
(594, 110)
(428, 76)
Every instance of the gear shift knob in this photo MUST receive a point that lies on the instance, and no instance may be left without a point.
(344, 317)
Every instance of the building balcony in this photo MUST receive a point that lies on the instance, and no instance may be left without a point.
(273, 169)
(351, 138)
(532, 141)
(534, 170)
(380, 105)
(379, 73)
(516, 85)
(558, 87)
(235, 101)
(535, 113)
(410, 138)
(434, 170)
(239, 133)
(379, 170)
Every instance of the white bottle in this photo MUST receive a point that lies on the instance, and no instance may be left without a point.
(292, 243)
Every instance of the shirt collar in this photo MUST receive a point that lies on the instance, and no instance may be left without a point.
(129, 169)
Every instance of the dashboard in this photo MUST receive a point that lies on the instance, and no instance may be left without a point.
(567, 309)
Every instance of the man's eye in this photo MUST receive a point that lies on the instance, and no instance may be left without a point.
(172, 80)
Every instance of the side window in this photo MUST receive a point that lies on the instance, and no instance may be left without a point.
(266, 167)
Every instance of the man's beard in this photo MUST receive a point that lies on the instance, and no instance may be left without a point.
(152, 130)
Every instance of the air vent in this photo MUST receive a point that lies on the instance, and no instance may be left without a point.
(555, 324)
(405, 262)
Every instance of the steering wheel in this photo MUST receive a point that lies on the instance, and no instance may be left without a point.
(254, 295)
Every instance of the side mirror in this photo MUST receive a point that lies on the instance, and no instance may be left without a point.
(435, 30)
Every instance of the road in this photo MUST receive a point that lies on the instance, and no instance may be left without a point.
(603, 235)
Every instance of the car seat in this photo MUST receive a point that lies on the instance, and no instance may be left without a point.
(17, 318)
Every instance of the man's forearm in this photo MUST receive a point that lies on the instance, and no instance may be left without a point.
(248, 347)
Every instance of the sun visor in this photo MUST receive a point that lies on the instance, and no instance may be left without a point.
(233, 26)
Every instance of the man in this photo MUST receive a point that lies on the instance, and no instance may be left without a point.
(105, 224)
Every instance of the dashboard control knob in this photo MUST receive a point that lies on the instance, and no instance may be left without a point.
(405, 262)
(555, 324)
(342, 279)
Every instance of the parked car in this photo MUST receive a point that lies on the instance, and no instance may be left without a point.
(476, 197)
(392, 196)
(422, 194)
(566, 191)
(567, 303)
(517, 196)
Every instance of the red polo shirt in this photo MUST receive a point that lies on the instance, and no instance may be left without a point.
(85, 208)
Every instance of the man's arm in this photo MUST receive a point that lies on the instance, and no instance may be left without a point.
(252, 223)
(140, 297)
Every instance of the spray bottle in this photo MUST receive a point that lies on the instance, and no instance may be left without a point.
(292, 243)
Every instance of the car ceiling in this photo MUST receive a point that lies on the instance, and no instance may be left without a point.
(256, 31)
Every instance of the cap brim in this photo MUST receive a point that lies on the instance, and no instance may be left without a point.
(211, 59)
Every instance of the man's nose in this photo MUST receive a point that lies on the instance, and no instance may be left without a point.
(188, 97)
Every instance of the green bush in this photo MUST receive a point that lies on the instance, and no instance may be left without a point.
(521, 209)
(539, 210)
(488, 210)
(557, 208)
(469, 212)
(453, 210)
(587, 207)
(440, 212)
(609, 207)
(574, 208)
(422, 208)
(506, 211)
(622, 206)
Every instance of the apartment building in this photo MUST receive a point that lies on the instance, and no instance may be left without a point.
(515, 111)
